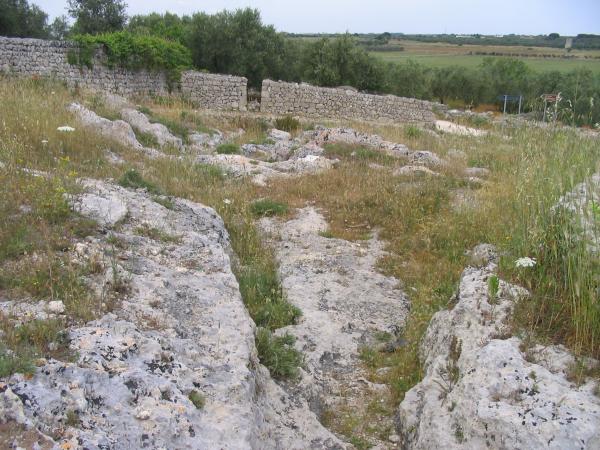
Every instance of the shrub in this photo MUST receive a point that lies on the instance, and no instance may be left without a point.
(412, 131)
(268, 208)
(228, 149)
(277, 353)
(287, 123)
(135, 52)
(133, 179)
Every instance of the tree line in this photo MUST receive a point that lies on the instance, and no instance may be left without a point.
(238, 43)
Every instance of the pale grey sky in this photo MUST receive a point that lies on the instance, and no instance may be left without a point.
(567, 17)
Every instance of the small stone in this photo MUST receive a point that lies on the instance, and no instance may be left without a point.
(279, 135)
(56, 307)
(394, 438)
(142, 414)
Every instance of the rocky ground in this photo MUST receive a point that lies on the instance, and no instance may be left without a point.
(345, 305)
(175, 365)
(481, 390)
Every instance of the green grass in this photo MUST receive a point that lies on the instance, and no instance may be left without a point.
(473, 61)
(22, 344)
(134, 180)
(287, 123)
(277, 353)
(228, 149)
(268, 208)
(156, 234)
(146, 139)
(263, 296)
(357, 153)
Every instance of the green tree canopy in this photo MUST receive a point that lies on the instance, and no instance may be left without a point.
(20, 19)
(98, 16)
(237, 43)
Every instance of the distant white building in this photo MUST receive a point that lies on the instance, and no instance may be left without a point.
(569, 43)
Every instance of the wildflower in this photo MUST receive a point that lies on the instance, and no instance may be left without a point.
(227, 201)
(44, 141)
(525, 262)
(66, 129)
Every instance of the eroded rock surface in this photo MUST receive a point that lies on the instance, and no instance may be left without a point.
(160, 132)
(479, 389)
(181, 333)
(345, 303)
(583, 206)
(322, 136)
(117, 130)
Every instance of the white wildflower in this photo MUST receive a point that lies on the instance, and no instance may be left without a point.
(44, 141)
(227, 201)
(525, 262)
(66, 129)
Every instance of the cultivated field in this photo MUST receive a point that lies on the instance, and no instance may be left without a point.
(443, 55)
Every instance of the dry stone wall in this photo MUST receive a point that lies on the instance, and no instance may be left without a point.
(305, 100)
(35, 57)
(212, 91)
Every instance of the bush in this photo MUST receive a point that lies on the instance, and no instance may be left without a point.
(135, 52)
(268, 208)
(287, 123)
(133, 179)
(277, 353)
(228, 149)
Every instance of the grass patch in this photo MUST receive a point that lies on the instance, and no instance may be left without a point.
(278, 354)
(356, 153)
(228, 149)
(146, 139)
(287, 123)
(22, 344)
(175, 125)
(164, 201)
(412, 131)
(263, 296)
(156, 234)
(134, 180)
(268, 208)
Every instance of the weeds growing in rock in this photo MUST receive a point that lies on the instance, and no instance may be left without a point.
(156, 234)
(278, 354)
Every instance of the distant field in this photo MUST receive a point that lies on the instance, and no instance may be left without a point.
(443, 55)
(539, 64)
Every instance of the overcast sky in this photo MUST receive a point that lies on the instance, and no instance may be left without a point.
(566, 17)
